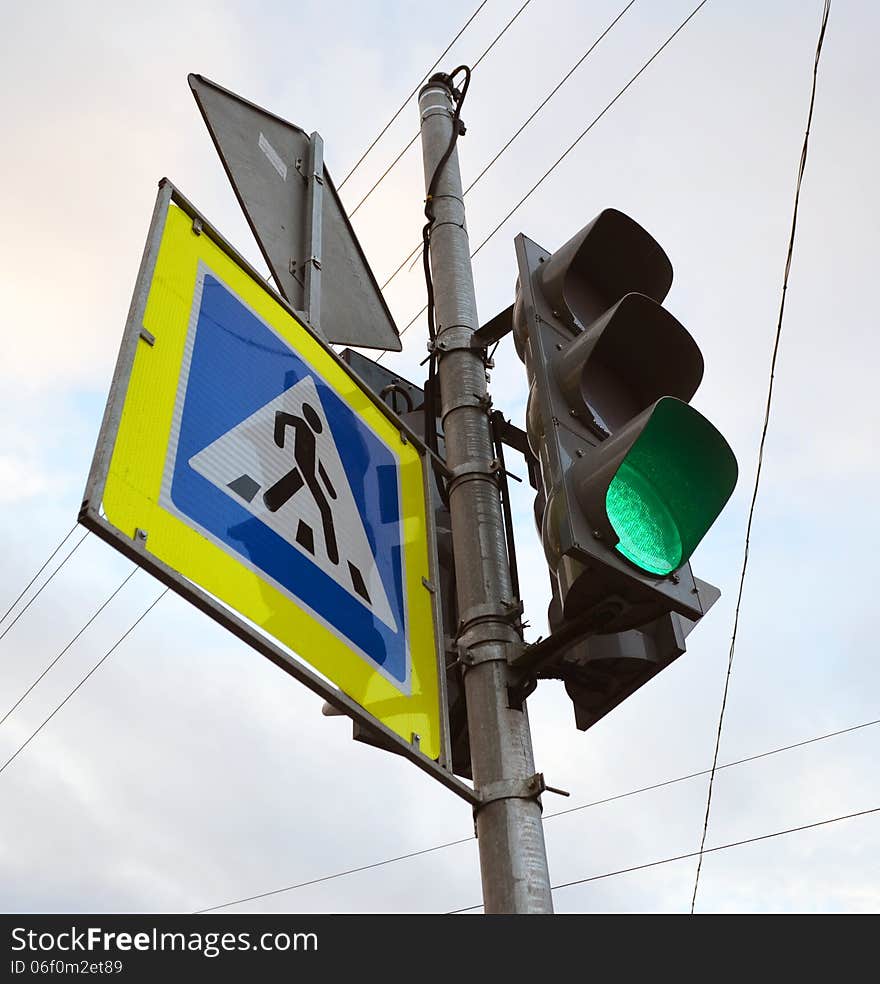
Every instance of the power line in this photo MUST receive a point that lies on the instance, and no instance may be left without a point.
(97, 612)
(693, 854)
(45, 583)
(415, 137)
(706, 772)
(338, 874)
(742, 578)
(100, 662)
(46, 563)
(568, 150)
(587, 129)
(405, 101)
(549, 816)
(522, 127)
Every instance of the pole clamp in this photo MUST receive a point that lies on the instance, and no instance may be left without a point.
(473, 470)
(503, 611)
(453, 338)
(479, 401)
(529, 789)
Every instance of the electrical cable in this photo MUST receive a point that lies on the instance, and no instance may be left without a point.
(550, 816)
(587, 129)
(431, 395)
(46, 563)
(97, 612)
(45, 583)
(522, 127)
(100, 662)
(693, 854)
(338, 874)
(800, 175)
(570, 148)
(415, 137)
(405, 101)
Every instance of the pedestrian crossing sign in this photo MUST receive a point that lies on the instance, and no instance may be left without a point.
(243, 455)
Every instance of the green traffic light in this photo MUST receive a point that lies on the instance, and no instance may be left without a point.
(669, 488)
(648, 532)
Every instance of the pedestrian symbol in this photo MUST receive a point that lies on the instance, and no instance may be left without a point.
(282, 464)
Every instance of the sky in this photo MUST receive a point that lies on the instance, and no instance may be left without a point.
(188, 771)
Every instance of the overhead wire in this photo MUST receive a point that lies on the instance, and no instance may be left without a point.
(548, 816)
(46, 563)
(97, 665)
(45, 583)
(522, 126)
(415, 136)
(570, 148)
(403, 105)
(742, 578)
(90, 620)
(693, 854)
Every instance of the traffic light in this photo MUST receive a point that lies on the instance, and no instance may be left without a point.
(632, 476)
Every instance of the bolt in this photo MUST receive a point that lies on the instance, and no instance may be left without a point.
(597, 535)
(579, 452)
(675, 579)
(559, 346)
(572, 413)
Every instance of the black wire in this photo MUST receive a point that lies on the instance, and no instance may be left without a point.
(585, 131)
(570, 148)
(693, 854)
(46, 720)
(45, 583)
(537, 110)
(98, 611)
(706, 772)
(415, 137)
(415, 90)
(551, 94)
(742, 578)
(46, 563)
(383, 176)
(549, 816)
(431, 396)
(338, 874)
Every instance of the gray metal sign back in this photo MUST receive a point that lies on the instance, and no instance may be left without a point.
(294, 211)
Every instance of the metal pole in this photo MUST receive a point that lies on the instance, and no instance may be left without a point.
(513, 859)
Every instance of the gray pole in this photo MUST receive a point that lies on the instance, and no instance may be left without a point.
(513, 860)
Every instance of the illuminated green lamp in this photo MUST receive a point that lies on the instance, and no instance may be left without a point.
(669, 488)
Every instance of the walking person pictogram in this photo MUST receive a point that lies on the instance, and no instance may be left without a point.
(307, 472)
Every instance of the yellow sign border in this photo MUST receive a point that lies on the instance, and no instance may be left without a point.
(133, 478)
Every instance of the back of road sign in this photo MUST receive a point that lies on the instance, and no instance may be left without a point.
(267, 161)
(240, 454)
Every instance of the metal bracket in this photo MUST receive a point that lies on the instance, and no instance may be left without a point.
(518, 693)
(529, 789)
(494, 330)
(314, 225)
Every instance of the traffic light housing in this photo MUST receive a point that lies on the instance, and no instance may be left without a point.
(632, 476)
